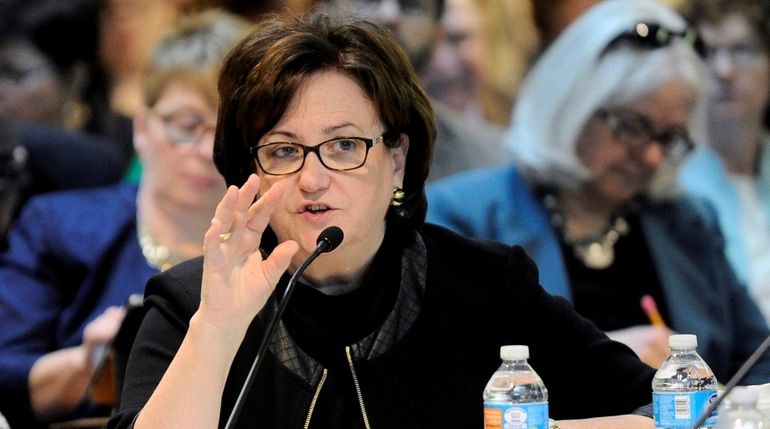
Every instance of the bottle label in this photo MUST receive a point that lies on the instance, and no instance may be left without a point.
(682, 409)
(532, 415)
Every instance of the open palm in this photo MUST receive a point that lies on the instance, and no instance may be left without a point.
(237, 280)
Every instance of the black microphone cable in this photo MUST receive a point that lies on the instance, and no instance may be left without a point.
(327, 241)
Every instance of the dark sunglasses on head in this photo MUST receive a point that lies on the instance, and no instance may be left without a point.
(653, 36)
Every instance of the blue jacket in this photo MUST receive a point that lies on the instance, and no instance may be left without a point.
(70, 256)
(702, 293)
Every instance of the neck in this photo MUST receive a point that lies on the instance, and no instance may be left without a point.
(737, 143)
(348, 280)
(341, 271)
(179, 229)
(585, 214)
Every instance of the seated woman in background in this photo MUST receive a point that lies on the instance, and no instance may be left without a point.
(734, 175)
(73, 257)
(598, 134)
(398, 327)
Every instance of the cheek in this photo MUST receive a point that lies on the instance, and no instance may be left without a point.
(588, 151)
(761, 88)
(265, 182)
(596, 149)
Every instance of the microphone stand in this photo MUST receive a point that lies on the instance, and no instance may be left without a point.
(324, 245)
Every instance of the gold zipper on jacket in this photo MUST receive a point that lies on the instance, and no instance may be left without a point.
(358, 388)
(315, 399)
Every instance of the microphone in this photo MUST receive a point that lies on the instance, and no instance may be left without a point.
(328, 240)
(739, 375)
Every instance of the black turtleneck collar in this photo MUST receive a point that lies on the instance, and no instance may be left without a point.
(322, 325)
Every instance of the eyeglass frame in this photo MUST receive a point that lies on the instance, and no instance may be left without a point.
(742, 55)
(369, 142)
(654, 36)
(165, 118)
(614, 121)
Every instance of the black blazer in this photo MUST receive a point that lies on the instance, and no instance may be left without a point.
(479, 296)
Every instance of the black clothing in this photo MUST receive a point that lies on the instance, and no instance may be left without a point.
(611, 297)
(476, 297)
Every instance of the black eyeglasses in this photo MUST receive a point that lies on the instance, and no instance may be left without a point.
(338, 154)
(636, 132)
(653, 36)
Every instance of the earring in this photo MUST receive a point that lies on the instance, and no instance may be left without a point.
(398, 197)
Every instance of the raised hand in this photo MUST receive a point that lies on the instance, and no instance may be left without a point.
(237, 281)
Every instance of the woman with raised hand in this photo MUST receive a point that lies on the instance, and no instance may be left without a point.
(400, 326)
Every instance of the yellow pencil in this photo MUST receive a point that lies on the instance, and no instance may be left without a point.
(651, 310)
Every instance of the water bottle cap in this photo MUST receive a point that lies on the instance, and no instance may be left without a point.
(683, 341)
(743, 395)
(514, 352)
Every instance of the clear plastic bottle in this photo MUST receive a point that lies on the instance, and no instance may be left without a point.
(515, 396)
(683, 387)
(739, 411)
(3, 422)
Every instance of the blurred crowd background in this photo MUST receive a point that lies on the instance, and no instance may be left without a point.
(73, 88)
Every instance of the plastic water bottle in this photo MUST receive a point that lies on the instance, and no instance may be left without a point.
(683, 387)
(3, 422)
(515, 396)
(739, 411)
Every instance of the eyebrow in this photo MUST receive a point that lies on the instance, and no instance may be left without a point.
(328, 130)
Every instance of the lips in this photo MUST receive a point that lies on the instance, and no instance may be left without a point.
(316, 213)
(315, 208)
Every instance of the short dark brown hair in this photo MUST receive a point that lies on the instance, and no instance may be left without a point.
(262, 74)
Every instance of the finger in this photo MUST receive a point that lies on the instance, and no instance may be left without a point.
(223, 215)
(260, 211)
(212, 239)
(247, 193)
(278, 261)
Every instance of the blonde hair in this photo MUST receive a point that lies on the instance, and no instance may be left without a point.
(193, 52)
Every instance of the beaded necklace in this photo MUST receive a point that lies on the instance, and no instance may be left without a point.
(597, 251)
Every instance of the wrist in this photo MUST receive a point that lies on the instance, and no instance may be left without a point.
(227, 338)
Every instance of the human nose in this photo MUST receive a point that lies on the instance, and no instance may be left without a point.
(313, 175)
(653, 154)
(722, 63)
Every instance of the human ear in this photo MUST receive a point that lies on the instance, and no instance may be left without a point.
(399, 160)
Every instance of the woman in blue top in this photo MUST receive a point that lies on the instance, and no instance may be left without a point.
(602, 121)
(73, 257)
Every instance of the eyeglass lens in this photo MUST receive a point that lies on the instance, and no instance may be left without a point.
(740, 54)
(186, 126)
(638, 132)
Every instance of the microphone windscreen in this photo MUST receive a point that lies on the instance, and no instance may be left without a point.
(332, 236)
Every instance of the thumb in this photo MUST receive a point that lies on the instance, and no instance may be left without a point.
(278, 261)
